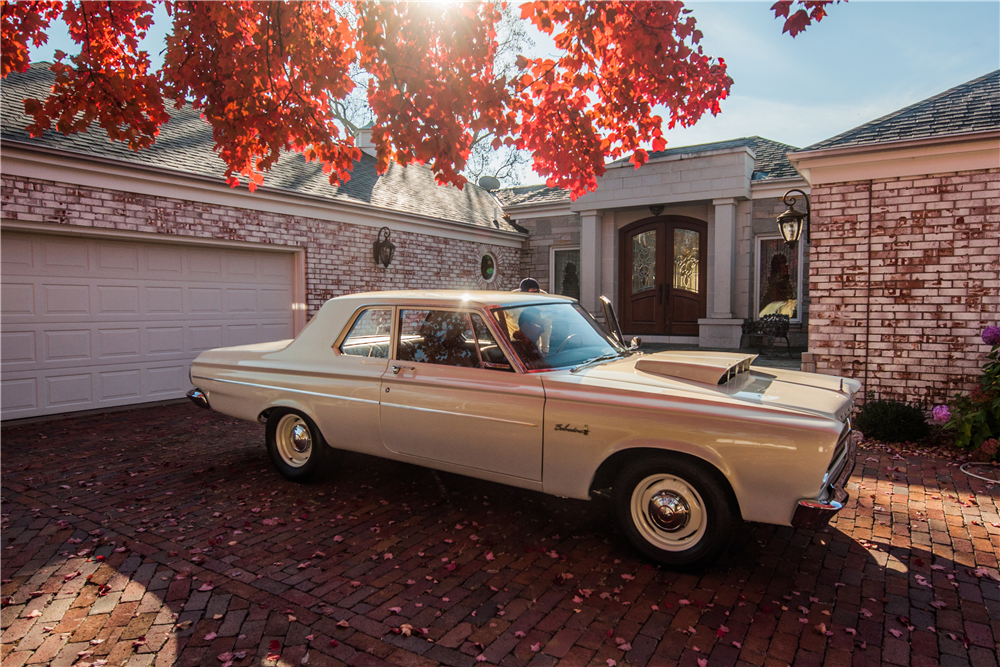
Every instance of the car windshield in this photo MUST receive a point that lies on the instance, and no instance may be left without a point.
(554, 335)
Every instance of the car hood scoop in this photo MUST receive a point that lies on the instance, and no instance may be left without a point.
(705, 368)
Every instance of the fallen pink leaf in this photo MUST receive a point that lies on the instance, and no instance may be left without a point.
(535, 648)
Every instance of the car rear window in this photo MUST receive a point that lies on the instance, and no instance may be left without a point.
(370, 334)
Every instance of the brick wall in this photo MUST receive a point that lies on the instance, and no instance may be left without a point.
(903, 278)
(544, 234)
(338, 255)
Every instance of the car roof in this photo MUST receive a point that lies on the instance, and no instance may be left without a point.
(455, 298)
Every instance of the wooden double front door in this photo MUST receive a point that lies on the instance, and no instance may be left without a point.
(663, 276)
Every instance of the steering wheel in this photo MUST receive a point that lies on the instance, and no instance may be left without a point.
(566, 340)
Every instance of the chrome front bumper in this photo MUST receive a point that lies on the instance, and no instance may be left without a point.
(814, 514)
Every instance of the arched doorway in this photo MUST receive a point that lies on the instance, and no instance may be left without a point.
(662, 276)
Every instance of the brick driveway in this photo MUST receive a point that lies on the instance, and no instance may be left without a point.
(163, 536)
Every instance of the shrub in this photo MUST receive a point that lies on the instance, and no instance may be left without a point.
(891, 421)
(975, 418)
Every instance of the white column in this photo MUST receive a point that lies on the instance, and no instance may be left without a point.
(720, 329)
(725, 259)
(590, 260)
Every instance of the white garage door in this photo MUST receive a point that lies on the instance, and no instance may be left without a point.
(91, 323)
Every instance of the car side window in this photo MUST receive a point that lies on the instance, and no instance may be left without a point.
(436, 337)
(493, 356)
(370, 334)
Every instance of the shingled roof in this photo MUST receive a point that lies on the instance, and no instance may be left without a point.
(970, 107)
(770, 162)
(532, 195)
(185, 146)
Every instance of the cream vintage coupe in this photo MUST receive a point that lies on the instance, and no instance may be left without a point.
(529, 390)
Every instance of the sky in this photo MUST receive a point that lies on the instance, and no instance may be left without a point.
(864, 60)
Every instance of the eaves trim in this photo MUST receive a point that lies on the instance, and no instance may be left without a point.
(898, 144)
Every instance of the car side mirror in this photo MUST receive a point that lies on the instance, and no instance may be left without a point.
(636, 342)
(611, 319)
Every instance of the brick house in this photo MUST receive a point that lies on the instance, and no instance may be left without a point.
(905, 254)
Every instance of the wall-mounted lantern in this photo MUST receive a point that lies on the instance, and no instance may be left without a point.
(791, 223)
(656, 210)
(383, 249)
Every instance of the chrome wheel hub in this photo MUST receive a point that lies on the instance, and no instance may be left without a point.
(301, 439)
(668, 511)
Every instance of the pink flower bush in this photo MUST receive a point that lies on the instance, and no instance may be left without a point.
(991, 335)
(942, 413)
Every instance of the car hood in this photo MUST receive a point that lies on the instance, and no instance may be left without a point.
(722, 377)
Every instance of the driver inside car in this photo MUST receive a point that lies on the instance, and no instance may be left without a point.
(527, 339)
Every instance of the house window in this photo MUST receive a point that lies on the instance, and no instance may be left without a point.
(488, 267)
(779, 280)
(565, 275)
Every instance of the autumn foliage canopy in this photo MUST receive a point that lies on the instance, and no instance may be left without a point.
(265, 75)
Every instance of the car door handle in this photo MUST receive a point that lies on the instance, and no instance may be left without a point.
(395, 369)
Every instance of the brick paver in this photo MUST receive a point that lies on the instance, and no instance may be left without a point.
(163, 536)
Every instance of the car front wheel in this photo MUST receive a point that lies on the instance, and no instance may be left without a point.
(295, 445)
(673, 510)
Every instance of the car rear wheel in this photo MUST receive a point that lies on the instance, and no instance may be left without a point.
(674, 510)
(295, 445)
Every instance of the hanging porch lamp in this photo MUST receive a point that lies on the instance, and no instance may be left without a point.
(791, 223)
(383, 249)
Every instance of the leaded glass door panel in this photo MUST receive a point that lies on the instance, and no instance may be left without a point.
(643, 273)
